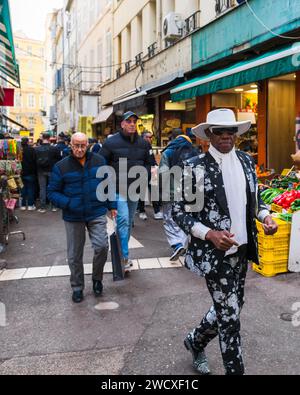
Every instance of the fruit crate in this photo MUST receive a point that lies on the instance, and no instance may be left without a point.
(270, 255)
(276, 208)
(268, 269)
(284, 228)
(281, 241)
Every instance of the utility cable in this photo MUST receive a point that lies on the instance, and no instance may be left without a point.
(266, 27)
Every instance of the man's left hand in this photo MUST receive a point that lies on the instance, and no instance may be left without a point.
(270, 226)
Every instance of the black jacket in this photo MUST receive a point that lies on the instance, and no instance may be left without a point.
(137, 152)
(202, 257)
(48, 155)
(29, 167)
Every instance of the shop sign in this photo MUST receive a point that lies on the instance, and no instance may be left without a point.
(24, 133)
(8, 99)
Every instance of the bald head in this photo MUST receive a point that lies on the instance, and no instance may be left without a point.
(79, 145)
(79, 137)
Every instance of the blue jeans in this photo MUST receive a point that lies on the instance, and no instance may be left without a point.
(126, 212)
(28, 192)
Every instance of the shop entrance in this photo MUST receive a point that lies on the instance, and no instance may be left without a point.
(281, 122)
(243, 101)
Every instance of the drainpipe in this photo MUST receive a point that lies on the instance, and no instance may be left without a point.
(159, 24)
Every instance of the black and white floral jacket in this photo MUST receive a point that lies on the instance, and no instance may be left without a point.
(202, 256)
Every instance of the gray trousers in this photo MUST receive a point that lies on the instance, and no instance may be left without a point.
(174, 234)
(97, 231)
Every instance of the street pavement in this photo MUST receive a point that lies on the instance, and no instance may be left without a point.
(138, 325)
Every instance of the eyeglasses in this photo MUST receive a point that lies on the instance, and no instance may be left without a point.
(134, 121)
(79, 146)
(218, 131)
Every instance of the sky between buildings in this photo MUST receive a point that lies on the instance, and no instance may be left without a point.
(29, 16)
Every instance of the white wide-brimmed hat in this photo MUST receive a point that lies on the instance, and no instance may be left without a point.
(222, 117)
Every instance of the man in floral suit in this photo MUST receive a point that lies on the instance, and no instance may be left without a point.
(223, 234)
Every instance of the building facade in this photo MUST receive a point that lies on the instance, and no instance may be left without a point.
(82, 61)
(249, 60)
(172, 62)
(30, 100)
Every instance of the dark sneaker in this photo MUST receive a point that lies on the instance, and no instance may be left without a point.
(178, 252)
(200, 362)
(77, 296)
(97, 288)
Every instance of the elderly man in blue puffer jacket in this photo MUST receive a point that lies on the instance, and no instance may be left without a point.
(73, 188)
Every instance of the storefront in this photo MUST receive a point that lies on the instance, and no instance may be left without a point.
(263, 90)
(176, 115)
(103, 125)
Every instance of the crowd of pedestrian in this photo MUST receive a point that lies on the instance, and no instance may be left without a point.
(216, 233)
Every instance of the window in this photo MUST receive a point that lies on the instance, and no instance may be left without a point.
(31, 122)
(42, 102)
(29, 50)
(18, 101)
(30, 80)
(100, 58)
(31, 101)
(108, 64)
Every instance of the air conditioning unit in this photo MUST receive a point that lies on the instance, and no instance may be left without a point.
(173, 25)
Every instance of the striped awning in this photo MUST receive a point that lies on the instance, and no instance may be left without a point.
(8, 64)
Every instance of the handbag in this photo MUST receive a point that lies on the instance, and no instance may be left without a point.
(10, 204)
(12, 185)
(116, 256)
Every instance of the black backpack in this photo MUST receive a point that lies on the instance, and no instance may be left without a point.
(43, 161)
(183, 153)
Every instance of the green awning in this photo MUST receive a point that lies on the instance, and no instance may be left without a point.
(8, 64)
(272, 64)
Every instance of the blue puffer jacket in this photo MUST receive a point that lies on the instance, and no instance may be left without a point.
(73, 188)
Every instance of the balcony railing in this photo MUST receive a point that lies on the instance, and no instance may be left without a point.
(223, 6)
(118, 72)
(127, 66)
(152, 50)
(138, 59)
(192, 23)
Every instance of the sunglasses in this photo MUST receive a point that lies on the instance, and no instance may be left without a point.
(218, 131)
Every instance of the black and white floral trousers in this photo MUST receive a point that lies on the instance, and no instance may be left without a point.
(226, 287)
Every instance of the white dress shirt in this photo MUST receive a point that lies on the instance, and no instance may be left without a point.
(235, 189)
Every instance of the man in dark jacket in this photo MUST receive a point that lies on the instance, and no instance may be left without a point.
(46, 157)
(29, 175)
(223, 234)
(61, 145)
(74, 188)
(128, 146)
(147, 136)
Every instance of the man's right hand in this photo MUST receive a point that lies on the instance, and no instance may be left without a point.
(222, 240)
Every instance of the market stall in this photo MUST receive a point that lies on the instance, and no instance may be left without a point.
(282, 195)
(10, 187)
